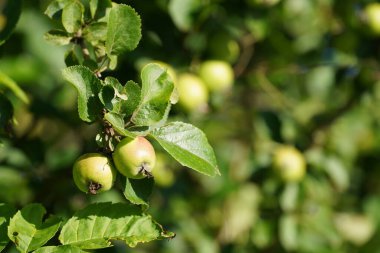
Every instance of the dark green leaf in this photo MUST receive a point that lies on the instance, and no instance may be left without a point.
(107, 97)
(95, 226)
(71, 59)
(138, 191)
(58, 37)
(6, 111)
(156, 91)
(10, 13)
(72, 16)
(117, 123)
(124, 30)
(114, 96)
(188, 145)
(98, 8)
(88, 87)
(6, 212)
(28, 231)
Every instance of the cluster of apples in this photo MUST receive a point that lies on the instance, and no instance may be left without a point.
(95, 172)
(194, 88)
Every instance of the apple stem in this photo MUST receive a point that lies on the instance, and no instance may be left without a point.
(93, 187)
(144, 171)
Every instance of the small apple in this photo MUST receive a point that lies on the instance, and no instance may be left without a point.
(193, 94)
(354, 227)
(135, 158)
(372, 15)
(223, 47)
(163, 176)
(289, 163)
(217, 75)
(93, 173)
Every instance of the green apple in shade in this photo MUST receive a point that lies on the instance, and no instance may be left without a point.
(135, 158)
(93, 173)
(223, 47)
(289, 164)
(217, 75)
(372, 16)
(193, 94)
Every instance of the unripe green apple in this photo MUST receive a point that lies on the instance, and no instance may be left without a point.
(134, 158)
(163, 176)
(372, 14)
(353, 227)
(193, 94)
(217, 75)
(93, 173)
(223, 47)
(289, 163)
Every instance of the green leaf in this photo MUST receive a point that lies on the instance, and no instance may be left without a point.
(6, 212)
(55, 6)
(156, 91)
(95, 226)
(88, 87)
(27, 230)
(96, 31)
(72, 16)
(138, 191)
(124, 30)
(11, 10)
(7, 82)
(288, 232)
(60, 249)
(114, 96)
(58, 37)
(182, 12)
(98, 8)
(188, 145)
(107, 97)
(117, 123)
(134, 95)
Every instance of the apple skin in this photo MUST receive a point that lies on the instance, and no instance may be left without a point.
(134, 158)
(217, 75)
(93, 169)
(193, 94)
(372, 13)
(289, 163)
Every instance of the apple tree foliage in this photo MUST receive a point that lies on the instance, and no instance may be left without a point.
(296, 134)
(97, 33)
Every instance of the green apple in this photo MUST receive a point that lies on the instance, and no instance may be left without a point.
(217, 75)
(135, 158)
(93, 173)
(372, 14)
(223, 47)
(289, 163)
(163, 175)
(193, 94)
(354, 227)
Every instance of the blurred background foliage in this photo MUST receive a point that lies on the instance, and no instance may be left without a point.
(306, 76)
